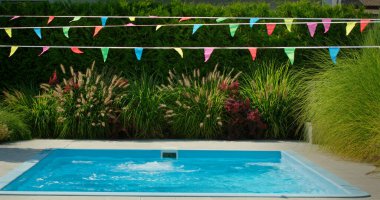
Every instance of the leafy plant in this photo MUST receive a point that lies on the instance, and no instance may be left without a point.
(86, 103)
(4, 132)
(343, 102)
(274, 90)
(194, 104)
(13, 127)
(243, 121)
(140, 113)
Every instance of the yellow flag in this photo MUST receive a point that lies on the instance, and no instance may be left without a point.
(158, 27)
(180, 52)
(349, 27)
(288, 23)
(9, 32)
(132, 19)
(13, 50)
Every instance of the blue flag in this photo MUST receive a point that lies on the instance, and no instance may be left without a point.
(138, 52)
(196, 27)
(38, 32)
(104, 20)
(253, 21)
(334, 53)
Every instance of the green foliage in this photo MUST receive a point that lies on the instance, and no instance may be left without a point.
(13, 127)
(39, 111)
(26, 67)
(343, 103)
(274, 90)
(86, 103)
(4, 133)
(194, 105)
(140, 113)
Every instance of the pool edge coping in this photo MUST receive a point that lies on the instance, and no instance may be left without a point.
(352, 191)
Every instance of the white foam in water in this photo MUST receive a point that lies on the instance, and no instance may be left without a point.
(152, 167)
(81, 162)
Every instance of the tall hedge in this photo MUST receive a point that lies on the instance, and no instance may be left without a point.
(26, 67)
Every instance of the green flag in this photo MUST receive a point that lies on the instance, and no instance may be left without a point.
(66, 31)
(233, 28)
(221, 19)
(105, 53)
(290, 53)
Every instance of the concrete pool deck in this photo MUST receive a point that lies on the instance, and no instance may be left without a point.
(13, 154)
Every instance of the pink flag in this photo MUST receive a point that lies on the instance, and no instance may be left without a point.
(130, 24)
(363, 24)
(50, 19)
(208, 52)
(184, 19)
(312, 26)
(253, 52)
(44, 49)
(76, 50)
(326, 24)
(270, 28)
(97, 29)
(14, 17)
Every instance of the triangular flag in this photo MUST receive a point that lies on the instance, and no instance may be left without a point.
(132, 19)
(270, 28)
(208, 52)
(75, 19)
(196, 27)
(44, 49)
(13, 50)
(326, 24)
(97, 29)
(184, 19)
(105, 53)
(9, 32)
(253, 52)
(158, 27)
(14, 17)
(66, 31)
(180, 52)
(51, 18)
(334, 53)
(312, 27)
(290, 53)
(288, 23)
(221, 19)
(104, 20)
(38, 32)
(252, 21)
(363, 24)
(76, 50)
(138, 52)
(233, 28)
(349, 27)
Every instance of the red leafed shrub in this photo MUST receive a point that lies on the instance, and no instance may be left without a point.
(244, 121)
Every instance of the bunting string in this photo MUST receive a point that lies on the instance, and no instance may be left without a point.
(13, 17)
(168, 25)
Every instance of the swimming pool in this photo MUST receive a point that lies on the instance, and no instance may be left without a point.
(174, 173)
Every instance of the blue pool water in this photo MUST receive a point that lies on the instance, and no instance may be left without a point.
(194, 172)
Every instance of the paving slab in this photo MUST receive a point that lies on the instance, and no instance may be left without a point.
(14, 154)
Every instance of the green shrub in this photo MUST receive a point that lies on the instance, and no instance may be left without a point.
(86, 103)
(274, 90)
(343, 103)
(194, 105)
(17, 129)
(39, 111)
(26, 67)
(140, 113)
(4, 133)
